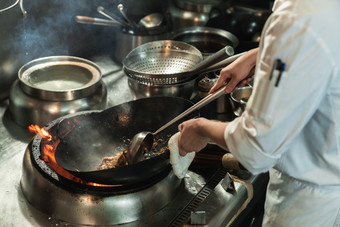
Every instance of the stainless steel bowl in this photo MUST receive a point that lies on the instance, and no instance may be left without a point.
(239, 99)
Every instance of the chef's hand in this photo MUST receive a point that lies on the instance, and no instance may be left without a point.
(196, 133)
(190, 138)
(237, 74)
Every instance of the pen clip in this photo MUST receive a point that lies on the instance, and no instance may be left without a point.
(280, 66)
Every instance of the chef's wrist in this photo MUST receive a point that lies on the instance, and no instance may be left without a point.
(212, 131)
(249, 58)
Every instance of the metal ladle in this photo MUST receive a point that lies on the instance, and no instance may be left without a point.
(151, 20)
(142, 141)
(120, 7)
(96, 21)
(111, 16)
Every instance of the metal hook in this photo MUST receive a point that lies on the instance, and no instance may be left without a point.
(9, 7)
(23, 11)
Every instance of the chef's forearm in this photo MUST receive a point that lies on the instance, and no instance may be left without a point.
(214, 130)
(251, 57)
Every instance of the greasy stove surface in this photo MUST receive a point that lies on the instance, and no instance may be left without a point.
(219, 207)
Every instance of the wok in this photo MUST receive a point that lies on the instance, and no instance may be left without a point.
(105, 134)
(246, 24)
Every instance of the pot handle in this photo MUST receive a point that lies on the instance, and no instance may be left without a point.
(222, 54)
(23, 11)
(223, 63)
(9, 7)
(21, 5)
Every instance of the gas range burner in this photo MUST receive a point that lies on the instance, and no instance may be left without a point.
(68, 198)
(88, 208)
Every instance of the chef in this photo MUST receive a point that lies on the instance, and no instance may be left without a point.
(291, 124)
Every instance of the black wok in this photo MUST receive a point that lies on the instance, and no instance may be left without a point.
(246, 24)
(105, 134)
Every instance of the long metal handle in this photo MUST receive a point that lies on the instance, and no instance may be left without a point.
(223, 63)
(210, 97)
(197, 106)
(9, 7)
(96, 21)
(225, 52)
(23, 11)
(110, 15)
(120, 7)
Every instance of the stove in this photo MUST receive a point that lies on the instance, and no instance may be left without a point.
(70, 199)
(163, 201)
(34, 194)
(116, 205)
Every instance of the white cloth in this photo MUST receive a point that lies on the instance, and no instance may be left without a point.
(180, 164)
(295, 127)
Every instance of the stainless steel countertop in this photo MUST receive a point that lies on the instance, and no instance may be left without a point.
(14, 210)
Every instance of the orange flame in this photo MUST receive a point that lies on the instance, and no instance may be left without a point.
(40, 131)
(48, 155)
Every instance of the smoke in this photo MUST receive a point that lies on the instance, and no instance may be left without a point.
(50, 29)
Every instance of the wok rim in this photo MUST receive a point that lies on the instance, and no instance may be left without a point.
(158, 163)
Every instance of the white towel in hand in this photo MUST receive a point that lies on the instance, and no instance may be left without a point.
(180, 164)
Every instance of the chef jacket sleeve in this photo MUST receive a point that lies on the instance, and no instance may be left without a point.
(275, 115)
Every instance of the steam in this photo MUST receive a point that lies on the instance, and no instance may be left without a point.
(50, 29)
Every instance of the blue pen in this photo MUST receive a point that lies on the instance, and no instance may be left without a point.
(280, 66)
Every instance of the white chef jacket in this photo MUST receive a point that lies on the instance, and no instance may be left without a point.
(294, 128)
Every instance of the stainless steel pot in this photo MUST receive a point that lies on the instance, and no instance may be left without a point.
(206, 39)
(13, 13)
(245, 23)
(59, 78)
(187, 13)
(54, 86)
(140, 90)
(126, 40)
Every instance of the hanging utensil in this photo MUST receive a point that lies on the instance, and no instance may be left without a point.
(120, 7)
(111, 16)
(151, 20)
(96, 21)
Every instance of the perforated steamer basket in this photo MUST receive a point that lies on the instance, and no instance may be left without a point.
(167, 62)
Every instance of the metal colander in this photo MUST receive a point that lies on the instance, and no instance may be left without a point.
(169, 62)
(161, 62)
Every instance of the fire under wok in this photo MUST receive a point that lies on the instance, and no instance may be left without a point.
(107, 133)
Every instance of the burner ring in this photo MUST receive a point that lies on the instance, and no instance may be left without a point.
(94, 209)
